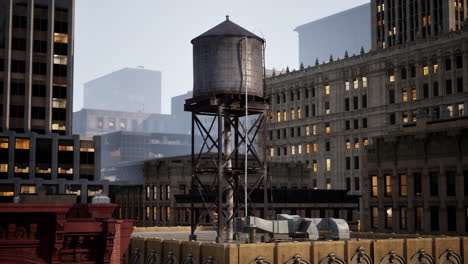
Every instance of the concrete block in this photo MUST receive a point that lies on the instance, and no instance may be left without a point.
(322, 249)
(138, 248)
(250, 252)
(155, 248)
(287, 251)
(191, 249)
(384, 246)
(441, 244)
(414, 245)
(171, 250)
(218, 252)
(354, 247)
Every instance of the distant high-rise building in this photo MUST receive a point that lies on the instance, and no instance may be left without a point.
(37, 148)
(128, 89)
(334, 35)
(400, 22)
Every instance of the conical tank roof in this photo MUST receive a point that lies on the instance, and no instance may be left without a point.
(228, 28)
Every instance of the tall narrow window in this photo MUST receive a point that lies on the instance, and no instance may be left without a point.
(327, 89)
(451, 218)
(434, 183)
(388, 218)
(417, 184)
(404, 95)
(419, 218)
(299, 113)
(292, 114)
(375, 217)
(403, 185)
(347, 85)
(451, 185)
(434, 218)
(374, 186)
(364, 82)
(388, 185)
(403, 218)
(328, 163)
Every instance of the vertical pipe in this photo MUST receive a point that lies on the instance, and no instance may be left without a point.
(246, 128)
(220, 173)
(229, 190)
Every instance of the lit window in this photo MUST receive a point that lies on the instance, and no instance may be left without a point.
(404, 117)
(314, 166)
(424, 21)
(327, 128)
(155, 213)
(307, 130)
(388, 185)
(21, 170)
(426, 70)
(285, 116)
(328, 162)
(299, 149)
(299, 113)
(374, 184)
(21, 143)
(100, 122)
(356, 84)
(364, 82)
(292, 114)
(314, 129)
(87, 149)
(272, 152)
(392, 76)
(365, 141)
(383, 7)
(413, 94)
(65, 148)
(356, 143)
(43, 170)
(278, 116)
(59, 103)
(60, 59)
(307, 148)
(65, 171)
(3, 143)
(436, 68)
(168, 213)
(327, 108)
(388, 218)
(58, 127)
(123, 124)
(379, 9)
(461, 110)
(94, 191)
(450, 109)
(3, 167)
(111, 123)
(375, 217)
(293, 150)
(327, 89)
(403, 185)
(348, 144)
(148, 213)
(414, 116)
(61, 38)
(328, 184)
(314, 147)
(347, 85)
(28, 189)
(404, 95)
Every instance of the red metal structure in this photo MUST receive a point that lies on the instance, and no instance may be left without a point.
(62, 233)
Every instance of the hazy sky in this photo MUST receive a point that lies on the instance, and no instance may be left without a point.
(112, 34)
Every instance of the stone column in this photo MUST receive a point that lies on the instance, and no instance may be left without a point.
(28, 72)
(410, 214)
(442, 200)
(7, 69)
(11, 156)
(50, 63)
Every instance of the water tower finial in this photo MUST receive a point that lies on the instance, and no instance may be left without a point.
(227, 17)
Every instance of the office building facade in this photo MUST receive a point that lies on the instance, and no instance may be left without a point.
(126, 90)
(37, 148)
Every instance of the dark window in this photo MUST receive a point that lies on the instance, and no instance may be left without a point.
(38, 112)
(348, 184)
(364, 101)
(356, 123)
(434, 183)
(40, 24)
(2, 65)
(403, 73)
(465, 176)
(278, 134)
(392, 119)
(18, 44)
(278, 99)
(348, 163)
(459, 85)
(391, 96)
(364, 123)
(448, 86)
(17, 87)
(59, 114)
(60, 48)
(298, 95)
(346, 104)
(40, 46)
(356, 163)
(60, 92)
(451, 186)
(20, 21)
(356, 184)
(278, 152)
(307, 110)
(436, 88)
(413, 71)
(425, 90)
(39, 90)
(39, 68)
(459, 61)
(434, 219)
(299, 131)
(284, 133)
(327, 146)
(313, 109)
(60, 70)
(417, 184)
(347, 125)
(355, 103)
(448, 64)
(322, 212)
(291, 97)
(17, 111)
(284, 98)
(313, 91)
(451, 218)
(61, 27)
(18, 66)
(306, 93)
(292, 131)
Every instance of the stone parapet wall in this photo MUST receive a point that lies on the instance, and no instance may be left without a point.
(427, 250)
